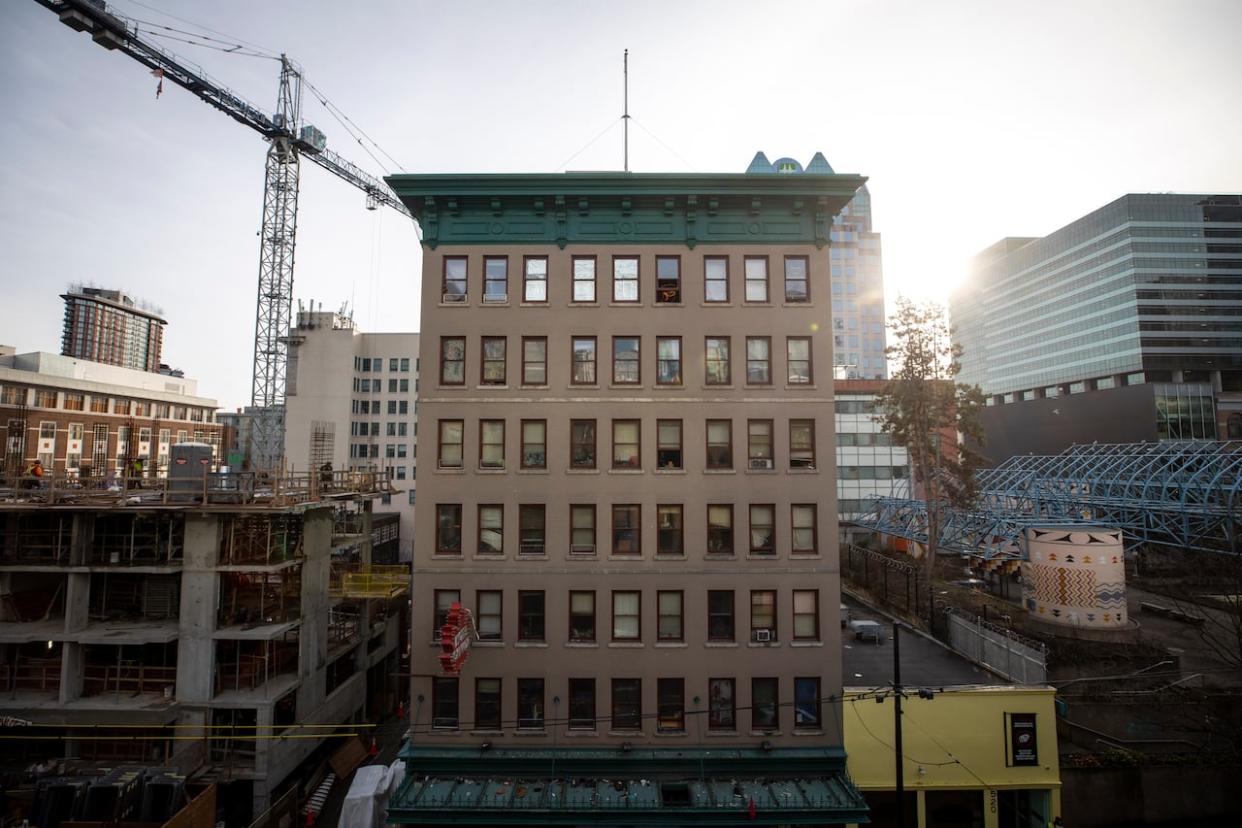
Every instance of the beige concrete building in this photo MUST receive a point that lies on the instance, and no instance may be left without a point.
(628, 481)
(351, 400)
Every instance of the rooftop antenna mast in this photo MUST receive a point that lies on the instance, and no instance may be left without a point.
(625, 116)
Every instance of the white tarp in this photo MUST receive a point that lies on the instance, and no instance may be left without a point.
(366, 802)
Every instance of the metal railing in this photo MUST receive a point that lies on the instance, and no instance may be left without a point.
(1001, 650)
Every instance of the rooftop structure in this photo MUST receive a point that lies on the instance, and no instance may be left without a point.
(111, 327)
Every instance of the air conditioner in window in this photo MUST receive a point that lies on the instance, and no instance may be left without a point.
(761, 462)
(763, 636)
(582, 549)
(531, 548)
(495, 297)
(453, 298)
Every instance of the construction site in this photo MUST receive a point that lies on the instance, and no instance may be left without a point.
(221, 628)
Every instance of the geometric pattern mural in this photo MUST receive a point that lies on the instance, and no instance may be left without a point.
(1075, 576)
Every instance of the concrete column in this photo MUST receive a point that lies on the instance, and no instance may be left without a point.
(77, 616)
(1177, 376)
(199, 588)
(313, 639)
(71, 664)
(82, 538)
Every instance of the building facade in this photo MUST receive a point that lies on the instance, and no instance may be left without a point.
(857, 274)
(868, 464)
(628, 482)
(111, 327)
(1146, 291)
(81, 418)
(351, 400)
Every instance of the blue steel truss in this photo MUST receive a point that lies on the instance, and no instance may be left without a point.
(1186, 494)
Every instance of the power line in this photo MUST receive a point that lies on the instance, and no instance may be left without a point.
(323, 99)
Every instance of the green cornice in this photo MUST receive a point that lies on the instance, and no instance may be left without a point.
(625, 208)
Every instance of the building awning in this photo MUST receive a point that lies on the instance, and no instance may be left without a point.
(656, 786)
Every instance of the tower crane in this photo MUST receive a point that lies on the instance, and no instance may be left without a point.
(289, 141)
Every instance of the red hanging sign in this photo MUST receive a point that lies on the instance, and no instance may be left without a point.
(455, 638)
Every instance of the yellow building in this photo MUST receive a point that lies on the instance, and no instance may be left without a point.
(975, 757)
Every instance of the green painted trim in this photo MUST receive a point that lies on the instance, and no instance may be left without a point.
(625, 208)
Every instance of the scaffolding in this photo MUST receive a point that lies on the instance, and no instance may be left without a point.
(1185, 494)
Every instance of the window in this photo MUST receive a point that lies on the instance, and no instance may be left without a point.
(74, 402)
(534, 360)
(530, 615)
(626, 366)
(670, 625)
(762, 615)
(452, 360)
(495, 279)
(448, 529)
(491, 444)
(532, 537)
(534, 444)
(582, 529)
(806, 614)
(762, 529)
(759, 360)
(583, 360)
(582, 704)
(716, 279)
(668, 279)
(803, 537)
(627, 529)
(669, 535)
(530, 704)
(626, 444)
(756, 279)
(405, 364)
(668, 444)
(716, 353)
(13, 395)
(625, 279)
(759, 444)
(582, 444)
(798, 352)
(584, 278)
(490, 624)
(806, 704)
(582, 616)
(797, 284)
(721, 704)
(668, 360)
(487, 704)
(99, 404)
(444, 598)
(670, 705)
(444, 703)
(627, 704)
(535, 279)
(392, 386)
(720, 529)
(491, 529)
(626, 616)
(719, 444)
(764, 712)
(47, 399)
(720, 615)
(454, 279)
(801, 444)
(493, 354)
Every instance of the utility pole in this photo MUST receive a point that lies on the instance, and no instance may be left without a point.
(901, 787)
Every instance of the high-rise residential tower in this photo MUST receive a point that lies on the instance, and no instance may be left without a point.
(628, 481)
(109, 326)
(1124, 325)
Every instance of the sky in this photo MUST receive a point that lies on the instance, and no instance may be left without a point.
(973, 120)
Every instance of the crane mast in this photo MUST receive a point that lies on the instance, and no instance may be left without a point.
(289, 141)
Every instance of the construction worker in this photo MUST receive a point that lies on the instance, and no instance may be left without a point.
(33, 476)
(137, 470)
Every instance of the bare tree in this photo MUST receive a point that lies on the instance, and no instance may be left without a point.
(925, 409)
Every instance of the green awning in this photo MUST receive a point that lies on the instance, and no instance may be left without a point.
(651, 786)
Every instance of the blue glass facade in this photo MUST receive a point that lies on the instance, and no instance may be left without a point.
(1145, 289)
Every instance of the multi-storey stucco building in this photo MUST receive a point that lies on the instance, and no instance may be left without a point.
(627, 443)
(351, 401)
